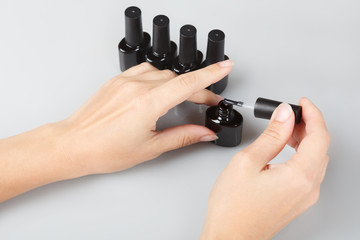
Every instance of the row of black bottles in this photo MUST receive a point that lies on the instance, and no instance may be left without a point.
(135, 47)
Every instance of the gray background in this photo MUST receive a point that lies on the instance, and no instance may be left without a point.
(55, 55)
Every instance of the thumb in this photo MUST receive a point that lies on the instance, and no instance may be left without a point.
(181, 136)
(274, 138)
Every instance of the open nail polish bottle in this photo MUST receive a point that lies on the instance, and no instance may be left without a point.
(163, 51)
(226, 123)
(214, 54)
(189, 58)
(133, 47)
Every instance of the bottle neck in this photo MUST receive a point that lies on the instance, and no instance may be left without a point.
(224, 112)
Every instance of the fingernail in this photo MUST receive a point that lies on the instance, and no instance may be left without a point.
(226, 63)
(219, 98)
(282, 112)
(208, 138)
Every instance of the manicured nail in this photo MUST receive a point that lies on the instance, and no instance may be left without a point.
(208, 138)
(219, 98)
(282, 112)
(226, 63)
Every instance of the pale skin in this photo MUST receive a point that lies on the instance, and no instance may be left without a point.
(116, 129)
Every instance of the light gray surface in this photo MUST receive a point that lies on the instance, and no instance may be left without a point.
(55, 55)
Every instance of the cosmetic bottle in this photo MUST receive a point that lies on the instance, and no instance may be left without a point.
(226, 123)
(214, 54)
(189, 58)
(133, 47)
(163, 51)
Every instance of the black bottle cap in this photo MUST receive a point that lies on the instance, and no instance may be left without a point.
(188, 48)
(264, 108)
(215, 47)
(133, 27)
(161, 35)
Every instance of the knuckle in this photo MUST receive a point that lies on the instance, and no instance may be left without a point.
(184, 140)
(142, 101)
(243, 158)
(243, 155)
(146, 65)
(168, 73)
(273, 132)
(132, 85)
(213, 69)
(186, 80)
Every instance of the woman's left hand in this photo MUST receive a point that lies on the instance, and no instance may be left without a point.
(116, 128)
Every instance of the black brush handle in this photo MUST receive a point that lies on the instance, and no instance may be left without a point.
(264, 108)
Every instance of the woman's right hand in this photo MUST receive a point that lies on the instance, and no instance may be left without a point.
(253, 199)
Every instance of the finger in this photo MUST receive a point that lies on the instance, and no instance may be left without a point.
(138, 69)
(312, 117)
(273, 139)
(183, 86)
(293, 143)
(299, 132)
(202, 97)
(311, 154)
(326, 162)
(297, 135)
(205, 97)
(154, 83)
(315, 144)
(157, 75)
(180, 136)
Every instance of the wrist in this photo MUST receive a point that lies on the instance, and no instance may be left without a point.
(69, 160)
(32, 159)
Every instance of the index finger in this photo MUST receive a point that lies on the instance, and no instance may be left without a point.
(183, 86)
(312, 150)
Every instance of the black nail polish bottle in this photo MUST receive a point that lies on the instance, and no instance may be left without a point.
(189, 58)
(226, 123)
(133, 47)
(163, 51)
(214, 54)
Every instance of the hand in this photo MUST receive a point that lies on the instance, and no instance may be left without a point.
(253, 199)
(116, 128)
